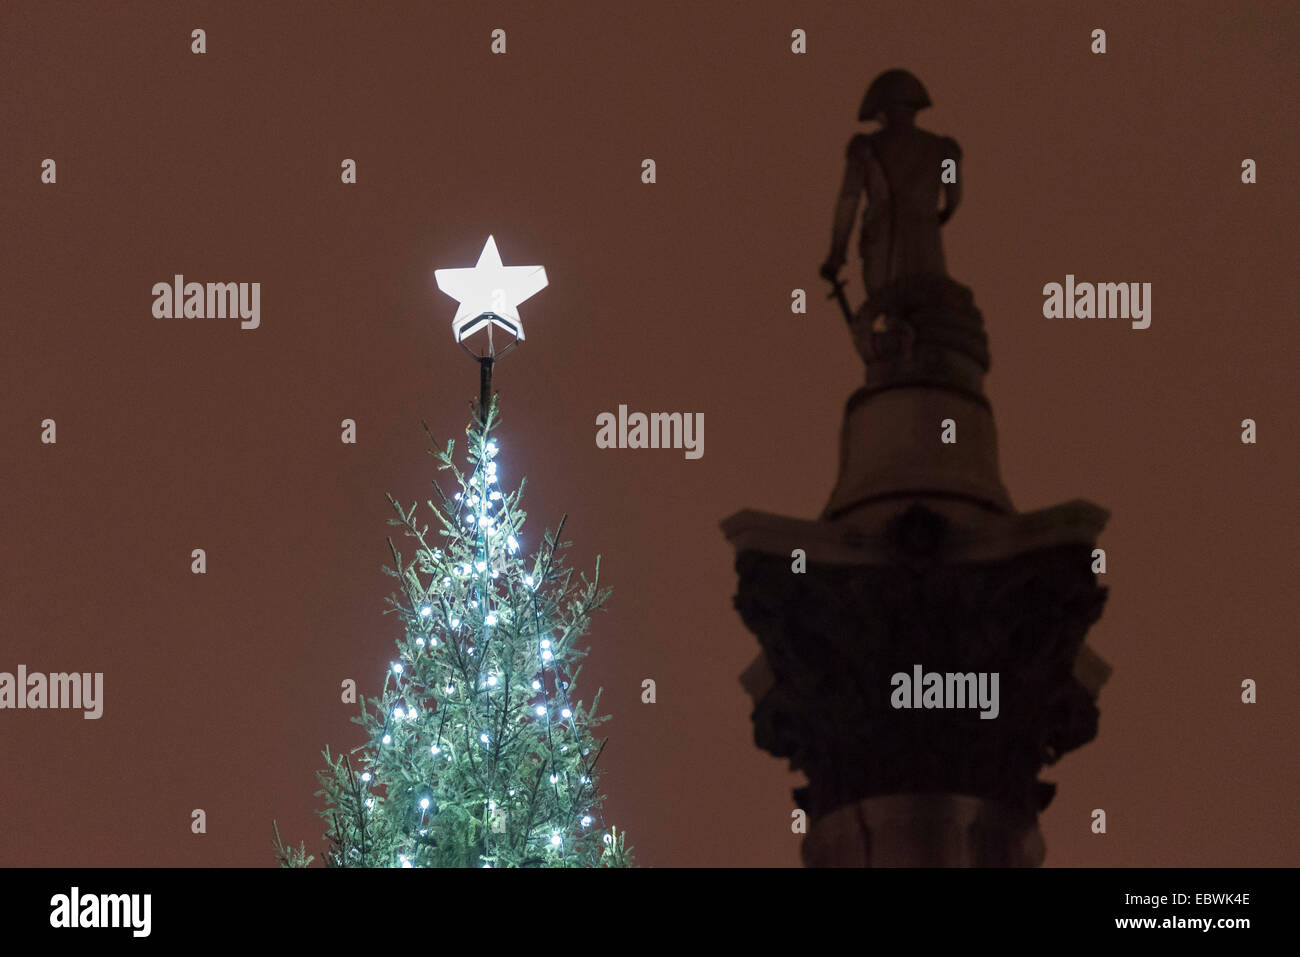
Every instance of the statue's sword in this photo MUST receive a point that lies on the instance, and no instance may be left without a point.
(837, 293)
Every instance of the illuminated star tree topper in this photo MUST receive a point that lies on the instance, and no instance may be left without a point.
(489, 294)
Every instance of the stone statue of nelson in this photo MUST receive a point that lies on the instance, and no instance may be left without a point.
(899, 168)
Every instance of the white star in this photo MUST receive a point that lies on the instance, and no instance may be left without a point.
(489, 292)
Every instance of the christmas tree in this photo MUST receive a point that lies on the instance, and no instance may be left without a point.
(479, 753)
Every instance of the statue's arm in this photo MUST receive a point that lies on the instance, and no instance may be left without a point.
(846, 205)
(951, 191)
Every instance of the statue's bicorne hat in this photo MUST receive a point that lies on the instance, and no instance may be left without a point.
(893, 88)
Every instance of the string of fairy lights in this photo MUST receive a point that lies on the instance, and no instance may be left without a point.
(484, 511)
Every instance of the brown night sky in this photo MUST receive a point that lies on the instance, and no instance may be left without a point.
(221, 690)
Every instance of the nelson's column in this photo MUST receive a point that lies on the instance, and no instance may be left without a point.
(919, 564)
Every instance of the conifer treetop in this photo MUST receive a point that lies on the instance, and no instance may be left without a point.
(479, 752)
